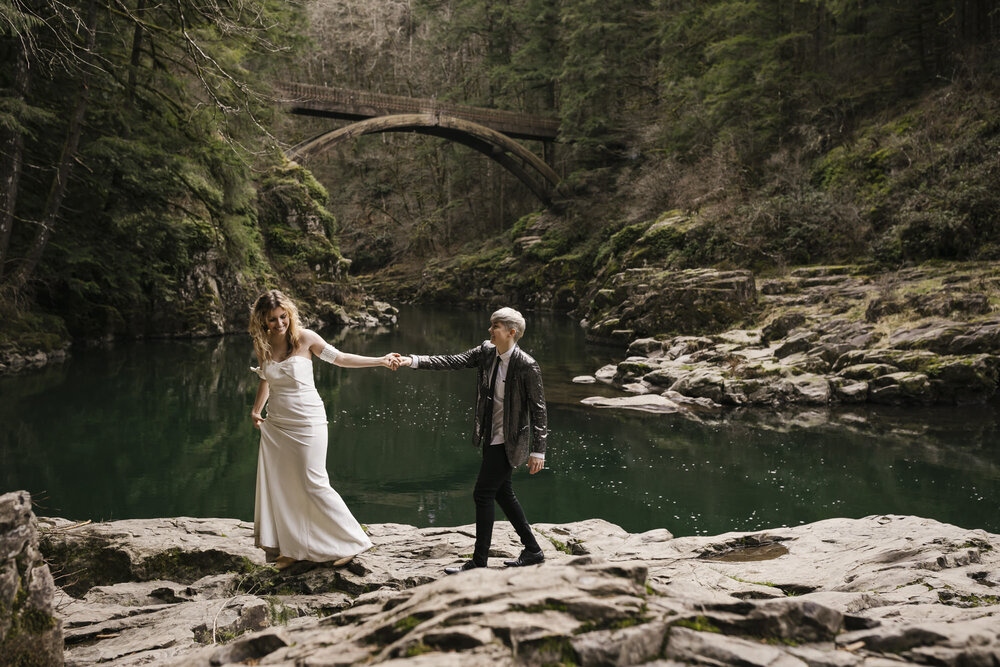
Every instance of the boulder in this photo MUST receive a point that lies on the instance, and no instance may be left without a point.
(807, 389)
(901, 387)
(646, 402)
(980, 337)
(606, 373)
(684, 345)
(631, 369)
(935, 335)
(805, 362)
(671, 301)
(880, 307)
(964, 379)
(848, 332)
(644, 346)
(701, 383)
(949, 302)
(779, 327)
(848, 391)
(798, 341)
(866, 371)
(663, 377)
(30, 632)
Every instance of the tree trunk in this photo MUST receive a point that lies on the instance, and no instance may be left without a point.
(136, 49)
(12, 149)
(57, 192)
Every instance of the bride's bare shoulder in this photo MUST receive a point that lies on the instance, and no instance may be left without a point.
(308, 338)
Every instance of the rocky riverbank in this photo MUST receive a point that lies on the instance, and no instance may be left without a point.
(817, 336)
(843, 592)
(370, 313)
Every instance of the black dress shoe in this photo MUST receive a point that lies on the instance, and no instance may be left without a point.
(526, 558)
(467, 565)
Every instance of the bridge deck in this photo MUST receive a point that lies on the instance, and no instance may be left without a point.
(347, 104)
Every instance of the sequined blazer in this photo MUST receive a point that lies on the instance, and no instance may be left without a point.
(524, 411)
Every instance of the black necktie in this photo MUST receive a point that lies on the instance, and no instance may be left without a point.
(488, 420)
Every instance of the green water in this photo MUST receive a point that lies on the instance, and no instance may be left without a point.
(162, 428)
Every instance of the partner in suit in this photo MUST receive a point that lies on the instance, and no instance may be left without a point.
(510, 428)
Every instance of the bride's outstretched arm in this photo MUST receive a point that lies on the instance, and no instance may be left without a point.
(329, 353)
(348, 360)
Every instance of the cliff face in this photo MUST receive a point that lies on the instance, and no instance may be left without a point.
(838, 592)
(286, 239)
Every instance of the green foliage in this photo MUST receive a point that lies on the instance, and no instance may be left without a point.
(162, 194)
(30, 330)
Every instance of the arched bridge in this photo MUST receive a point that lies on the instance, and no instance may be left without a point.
(489, 131)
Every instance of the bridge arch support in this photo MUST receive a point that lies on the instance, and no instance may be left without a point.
(530, 169)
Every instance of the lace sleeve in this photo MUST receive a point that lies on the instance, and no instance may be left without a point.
(258, 371)
(329, 353)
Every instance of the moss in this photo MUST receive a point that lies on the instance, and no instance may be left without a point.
(35, 622)
(555, 651)
(560, 546)
(523, 223)
(280, 614)
(698, 623)
(387, 634)
(203, 635)
(188, 566)
(413, 650)
(407, 623)
(539, 608)
(617, 624)
(769, 584)
(977, 543)
(914, 583)
(779, 641)
(19, 647)
(968, 600)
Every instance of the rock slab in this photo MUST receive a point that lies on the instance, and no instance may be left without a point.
(841, 592)
(30, 633)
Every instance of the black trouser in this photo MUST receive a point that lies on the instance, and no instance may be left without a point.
(492, 484)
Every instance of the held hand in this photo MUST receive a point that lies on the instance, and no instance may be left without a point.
(257, 419)
(535, 464)
(404, 361)
(390, 361)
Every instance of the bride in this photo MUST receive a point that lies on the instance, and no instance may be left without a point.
(297, 515)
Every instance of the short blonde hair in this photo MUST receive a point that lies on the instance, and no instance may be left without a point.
(511, 319)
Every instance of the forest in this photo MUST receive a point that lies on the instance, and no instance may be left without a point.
(145, 189)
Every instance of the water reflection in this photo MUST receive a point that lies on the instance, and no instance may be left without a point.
(161, 428)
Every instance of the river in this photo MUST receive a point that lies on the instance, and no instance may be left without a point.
(162, 428)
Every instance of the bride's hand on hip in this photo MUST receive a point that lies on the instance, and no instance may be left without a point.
(257, 419)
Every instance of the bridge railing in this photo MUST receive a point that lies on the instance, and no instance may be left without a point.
(346, 103)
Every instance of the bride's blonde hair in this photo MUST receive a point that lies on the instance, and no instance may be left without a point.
(259, 313)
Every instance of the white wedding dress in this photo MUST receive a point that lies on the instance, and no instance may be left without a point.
(296, 513)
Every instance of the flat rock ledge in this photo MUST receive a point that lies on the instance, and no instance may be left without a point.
(881, 590)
